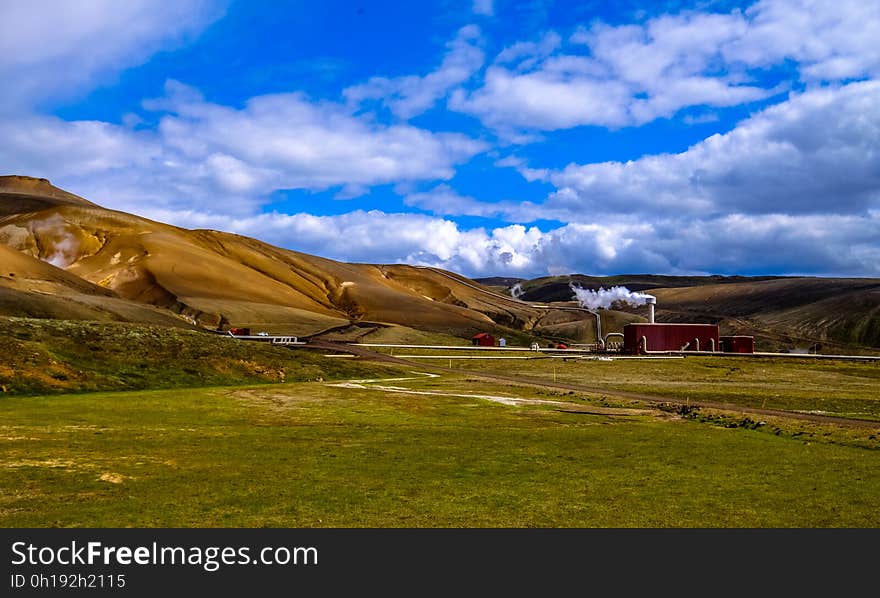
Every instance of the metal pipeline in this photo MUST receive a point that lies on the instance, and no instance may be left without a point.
(599, 341)
(610, 334)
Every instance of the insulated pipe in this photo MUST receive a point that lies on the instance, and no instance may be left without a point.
(696, 344)
(644, 343)
(599, 341)
(712, 345)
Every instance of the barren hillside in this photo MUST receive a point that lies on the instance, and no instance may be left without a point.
(216, 279)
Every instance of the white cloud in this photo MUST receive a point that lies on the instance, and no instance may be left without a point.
(206, 154)
(443, 200)
(792, 189)
(736, 243)
(817, 152)
(520, 165)
(412, 95)
(34, 144)
(379, 237)
(547, 99)
(526, 54)
(484, 7)
(130, 169)
(50, 49)
(616, 76)
(300, 144)
(829, 40)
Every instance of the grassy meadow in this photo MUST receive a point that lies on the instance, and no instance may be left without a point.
(116, 425)
(312, 454)
(40, 356)
(846, 389)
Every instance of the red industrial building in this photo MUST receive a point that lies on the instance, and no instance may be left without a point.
(738, 344)
(641, 338)
(483, 339)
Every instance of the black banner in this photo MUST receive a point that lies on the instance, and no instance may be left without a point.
(269, 562)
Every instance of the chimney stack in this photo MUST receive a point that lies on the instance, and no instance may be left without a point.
(651, 301)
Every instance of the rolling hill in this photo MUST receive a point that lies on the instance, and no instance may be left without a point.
(70, 258)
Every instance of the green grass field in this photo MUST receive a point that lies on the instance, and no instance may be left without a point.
(847, 389)
(115, 425)
(314, 455)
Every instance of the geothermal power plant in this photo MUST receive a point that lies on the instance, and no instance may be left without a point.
(651, 337)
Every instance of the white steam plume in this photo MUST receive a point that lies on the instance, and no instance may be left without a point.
(604, 298)
(516, 291)
(64, 250)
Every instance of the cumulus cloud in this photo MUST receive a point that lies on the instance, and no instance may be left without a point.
(829, 41)
(310, 145)
(555, 97)
(817, 152)
(380, 237)
(412, 95)
(795, 188)
(624, 75)
(206, 154)
(731, 244)
(53, 48)
(36, 144)
(526, 54)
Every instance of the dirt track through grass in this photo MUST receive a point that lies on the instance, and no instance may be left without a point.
(489, 371)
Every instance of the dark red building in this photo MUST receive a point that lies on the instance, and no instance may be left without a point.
(483, 339)
(738, 344)
(670, 337)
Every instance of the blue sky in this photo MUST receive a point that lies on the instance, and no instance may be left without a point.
(490, 138)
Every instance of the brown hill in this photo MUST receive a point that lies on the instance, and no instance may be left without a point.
(29, 194)
(218, 279)
(33, 288)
